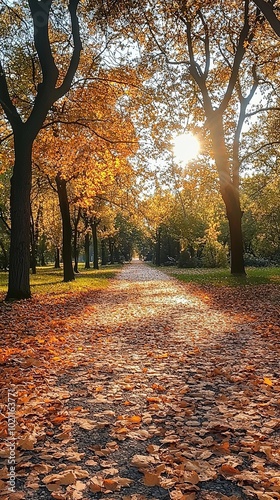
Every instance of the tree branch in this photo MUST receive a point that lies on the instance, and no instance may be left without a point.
(268, 108)
(6, 102)
(66, 85)
(244, 101)
(40, 14)
(258, 150)
(206, 45)
(266, 8)
(240, 51)
(2, 218)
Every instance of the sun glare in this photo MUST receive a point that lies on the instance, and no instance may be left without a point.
(186, 147)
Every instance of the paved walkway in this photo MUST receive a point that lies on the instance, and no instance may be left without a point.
(156, 395)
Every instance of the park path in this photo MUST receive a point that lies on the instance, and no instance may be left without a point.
(156, 394)
(170, 378)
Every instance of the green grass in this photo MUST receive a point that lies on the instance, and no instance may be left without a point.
(222, 277)
(48, 280)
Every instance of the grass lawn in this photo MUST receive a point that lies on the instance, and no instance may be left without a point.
(50, 281)
(222, 277)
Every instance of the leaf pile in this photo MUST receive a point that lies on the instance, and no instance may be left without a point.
(149, 390)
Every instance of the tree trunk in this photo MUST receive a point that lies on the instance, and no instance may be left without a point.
(76, 261)
(33, 262)
(103, 253)
(158, 246)
(94, 225)
(68, 273)
(111, 250)
(234, 216)
(87, 260)
(75, 242)
(57, 258)
(230, 195)
(19, 279)
(117, 255)
(42, 259)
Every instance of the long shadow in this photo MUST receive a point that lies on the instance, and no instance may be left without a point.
(205, 382)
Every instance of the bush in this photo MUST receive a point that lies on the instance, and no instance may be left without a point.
(186, 260)
(214, 254)
(253, 261)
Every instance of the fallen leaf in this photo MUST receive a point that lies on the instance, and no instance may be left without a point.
(63, 478)
(151, 479)
(142, 461)
(228, 470)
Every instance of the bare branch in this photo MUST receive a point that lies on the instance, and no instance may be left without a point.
(244, 102)
(85, 125)
(268, 108)
(263, 146)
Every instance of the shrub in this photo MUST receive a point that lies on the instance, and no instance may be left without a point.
(186, 260)
(214, 254)
(254, 261)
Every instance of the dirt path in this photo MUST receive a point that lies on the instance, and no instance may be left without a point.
(165, 397)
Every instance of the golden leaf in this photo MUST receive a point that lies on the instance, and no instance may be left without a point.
(267, 381)
(135, 419)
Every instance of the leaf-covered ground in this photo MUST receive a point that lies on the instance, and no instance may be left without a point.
(151, 389)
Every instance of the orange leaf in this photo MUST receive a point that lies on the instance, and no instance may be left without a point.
(228, 470)
(110, 484)
(153, 399)
(58, 420)
(267, 381)
(135, 419)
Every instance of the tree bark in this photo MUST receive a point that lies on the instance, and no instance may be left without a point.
(87, 260)
(19, 286)
(158, 246)
(68, 273)
(33, 262)
(111, 250)
(75, 242)
(57, 258)
(94, 225)
(103, 253)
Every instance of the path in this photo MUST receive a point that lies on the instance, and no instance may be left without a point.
(172, 396)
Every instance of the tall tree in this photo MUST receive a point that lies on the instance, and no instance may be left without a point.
(25, 129)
